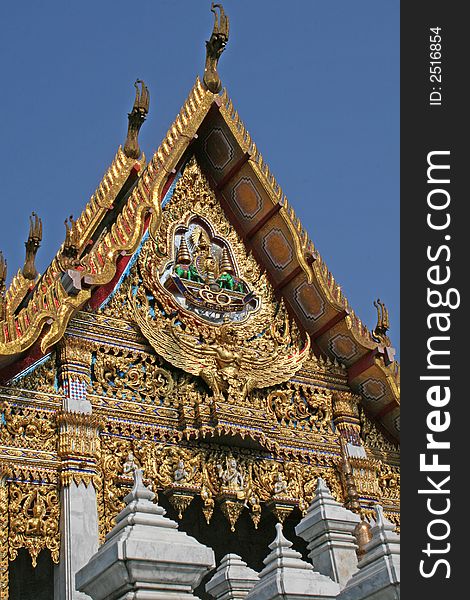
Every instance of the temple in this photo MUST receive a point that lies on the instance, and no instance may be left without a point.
(188, 352)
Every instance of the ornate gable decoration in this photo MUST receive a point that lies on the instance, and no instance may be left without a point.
(202, 275)
(203, 303)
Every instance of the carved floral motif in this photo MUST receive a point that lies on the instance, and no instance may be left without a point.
(27, 427)
(301, 405)
(127, 374)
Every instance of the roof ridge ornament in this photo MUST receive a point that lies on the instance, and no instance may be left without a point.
(136, 117)
(32, 245)
(383, 324)
(3, 277)
(214, 48)
(70, 248)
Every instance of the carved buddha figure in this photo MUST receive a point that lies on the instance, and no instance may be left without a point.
(232, 477)
(181, 475)
(280, 486)
(130, 465)
(206, 264)
(35, 524)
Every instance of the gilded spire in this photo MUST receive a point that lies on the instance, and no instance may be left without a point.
(136, 118)
(226, 264)
(32, 246)
(214, 48)
(183, 257)
(383, 324)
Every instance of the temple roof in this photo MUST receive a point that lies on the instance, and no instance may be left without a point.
(129, 200)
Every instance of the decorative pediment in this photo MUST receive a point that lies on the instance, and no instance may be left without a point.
(129, 205)
(203, 303)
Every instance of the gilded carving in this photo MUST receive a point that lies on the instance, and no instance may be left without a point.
(214, 48)
(125, 374)
(32, 246)
(136, 118)
(373, 438)
(41, 379)
(34, 520)
(236, 480)
(297, 404)
(78, 446)
(74, 360)
(389, 482)
(346, 416)
(232, 509)
(231, 477)
(27, 427)
(383, 324)
(196, 310)
(3, 535)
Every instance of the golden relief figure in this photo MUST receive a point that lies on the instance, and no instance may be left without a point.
(222, 360)
(34, 520)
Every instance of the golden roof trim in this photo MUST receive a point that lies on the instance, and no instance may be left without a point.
(101, 201)
(50, 304)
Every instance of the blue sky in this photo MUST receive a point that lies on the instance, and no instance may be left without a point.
(316, 82)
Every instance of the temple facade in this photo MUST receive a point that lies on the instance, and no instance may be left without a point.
(189, 331)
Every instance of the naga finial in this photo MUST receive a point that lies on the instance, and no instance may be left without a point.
(32, 246)
(70, 248)
(3, 272)
(383, 324)
(3, 277)
(214, 48)
(136, 118)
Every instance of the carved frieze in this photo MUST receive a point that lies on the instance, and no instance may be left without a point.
(216, 473)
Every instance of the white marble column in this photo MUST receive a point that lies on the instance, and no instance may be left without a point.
(79, 537)
(78, 451)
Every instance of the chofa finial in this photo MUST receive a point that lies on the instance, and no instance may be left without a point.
(3, 277)
(383, 324)
(3, 272)
(32, 246)
(70, 249)
(136, 118)
(214, 48)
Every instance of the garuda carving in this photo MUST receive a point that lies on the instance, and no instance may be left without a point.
(225, 363)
